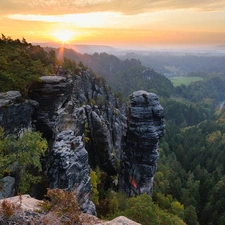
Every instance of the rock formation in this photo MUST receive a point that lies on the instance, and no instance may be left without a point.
(105, 121)
(27, 213)
(140, 147)
(81, 113)
(15, 113)
(67, 111)
(52, 93)
(69, 168)
(60, 122)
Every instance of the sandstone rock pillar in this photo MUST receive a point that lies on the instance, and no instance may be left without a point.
(145, 125)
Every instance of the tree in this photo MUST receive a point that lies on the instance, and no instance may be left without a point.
(27, 152)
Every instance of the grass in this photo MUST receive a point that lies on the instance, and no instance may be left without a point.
(177, 81)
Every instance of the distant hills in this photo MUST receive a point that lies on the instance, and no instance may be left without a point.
(90, 49)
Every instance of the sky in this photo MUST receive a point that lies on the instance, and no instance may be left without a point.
(116, 22)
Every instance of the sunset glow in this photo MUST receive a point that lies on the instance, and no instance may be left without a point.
(63, 35)
(113, 22)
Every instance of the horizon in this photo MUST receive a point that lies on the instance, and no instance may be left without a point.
(116, 23)
(217, 50)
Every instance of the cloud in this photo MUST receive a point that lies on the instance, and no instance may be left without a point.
(83, 6)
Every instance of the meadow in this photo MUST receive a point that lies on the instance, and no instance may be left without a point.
(177, 81)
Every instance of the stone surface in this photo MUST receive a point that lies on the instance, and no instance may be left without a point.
(105, 121)
(140, 147)
(7, 187)
(15, 113)
(52, 94)
(25, 202)
(121, 220)
(69, 168)
(27, 214)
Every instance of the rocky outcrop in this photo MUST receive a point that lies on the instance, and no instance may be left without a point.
(62, 123)
(69, 168)
(15, 113)
(105, 121)
(140, 148)
(52, 94)
(67, 111)
(84, 104)
(26, 212)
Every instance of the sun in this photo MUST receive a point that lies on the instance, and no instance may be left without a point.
(63, 35)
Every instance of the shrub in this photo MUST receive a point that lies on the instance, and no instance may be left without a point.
(63, 204)
(7, 209)
(27, 152)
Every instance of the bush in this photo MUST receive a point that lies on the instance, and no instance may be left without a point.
(27, 152)
(143, 210)
(63, 204)
(7, 208)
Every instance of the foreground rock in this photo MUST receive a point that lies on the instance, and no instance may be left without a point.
(26, 213)
(140, 149)
(69, 168)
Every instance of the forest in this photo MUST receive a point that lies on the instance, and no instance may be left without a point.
(189, 184)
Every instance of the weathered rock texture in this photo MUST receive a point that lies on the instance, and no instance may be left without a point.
(69, 168)
(105, 121)
(140, 148)
(67, 112)
(52, 94)
(27, 214)
(15, 113)
(7, 187)
(61, 123)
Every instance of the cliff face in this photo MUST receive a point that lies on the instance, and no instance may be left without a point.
(85, 126)
(52, 94)
(68, 116)
(140, 147)
(15, 113)
(69, 168)
(105, 121)
(61, 124)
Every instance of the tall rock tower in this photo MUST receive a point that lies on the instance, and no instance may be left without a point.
(145, 125)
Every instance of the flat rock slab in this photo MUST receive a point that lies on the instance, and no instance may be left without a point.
(53, 79)
(27, 203)
(9, 97)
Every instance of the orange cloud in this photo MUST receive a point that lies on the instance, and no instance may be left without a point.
(84, 6)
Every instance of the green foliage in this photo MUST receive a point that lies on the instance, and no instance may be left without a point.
(95, 180)
(128, 80)
(177, 81)
(143, 210)
(211, 87)
(4, 161)
(22, 63)
(63, 204)
(113, 205)
(190, 216)
(69, 64)
(27, 152)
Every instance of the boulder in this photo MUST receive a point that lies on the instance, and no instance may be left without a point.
(7, 187)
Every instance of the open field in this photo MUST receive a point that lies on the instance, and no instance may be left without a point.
(184, 80)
